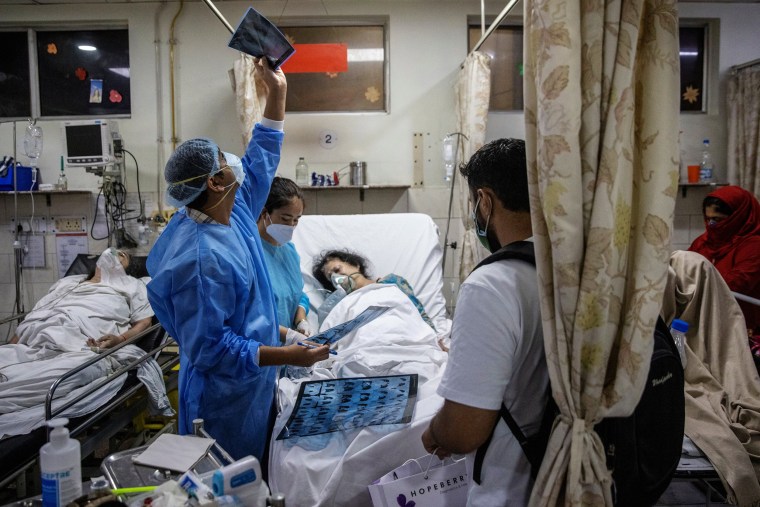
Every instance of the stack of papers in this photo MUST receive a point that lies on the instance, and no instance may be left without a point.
(174, 452)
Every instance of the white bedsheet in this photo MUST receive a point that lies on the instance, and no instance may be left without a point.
(51, 340)
(335, 469)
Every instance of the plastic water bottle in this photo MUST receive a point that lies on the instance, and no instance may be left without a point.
(302, 173)
(706, 166)
(61, 466)
(678, 329)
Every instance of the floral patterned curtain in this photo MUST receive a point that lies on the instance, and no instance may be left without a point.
(601, 114)
(250, 95)
(744, 129)
(472, 96)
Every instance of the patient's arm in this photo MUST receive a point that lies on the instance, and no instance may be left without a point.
(110, 340)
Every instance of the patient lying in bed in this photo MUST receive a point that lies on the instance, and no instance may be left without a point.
(350, 271)
(102, 309)
(335, 468)
(79, 313)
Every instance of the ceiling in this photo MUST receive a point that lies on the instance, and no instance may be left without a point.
(73, 2)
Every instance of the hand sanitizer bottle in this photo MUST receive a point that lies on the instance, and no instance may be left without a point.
(61, 466)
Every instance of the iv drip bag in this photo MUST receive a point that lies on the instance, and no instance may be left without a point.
(33, 143)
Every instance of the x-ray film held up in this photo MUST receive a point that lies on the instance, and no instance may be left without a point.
(255, 35)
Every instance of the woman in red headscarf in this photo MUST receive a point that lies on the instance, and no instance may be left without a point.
(732, 243)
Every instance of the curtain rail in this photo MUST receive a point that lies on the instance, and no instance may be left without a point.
(495, 24)
(752, 63)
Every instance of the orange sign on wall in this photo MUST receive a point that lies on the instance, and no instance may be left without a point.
(317, 58)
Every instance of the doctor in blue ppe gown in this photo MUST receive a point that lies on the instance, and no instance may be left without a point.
(210, 288)
(276, 224)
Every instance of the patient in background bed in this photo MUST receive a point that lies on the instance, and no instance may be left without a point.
(78, 314)
(349, 270)
(100, 310)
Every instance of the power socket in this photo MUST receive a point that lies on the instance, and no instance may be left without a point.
(68, 224)
(36, 225)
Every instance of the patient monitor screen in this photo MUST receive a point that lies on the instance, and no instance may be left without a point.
(83, 141)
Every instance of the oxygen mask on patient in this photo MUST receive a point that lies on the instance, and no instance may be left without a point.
(111, 269)
(345, 282)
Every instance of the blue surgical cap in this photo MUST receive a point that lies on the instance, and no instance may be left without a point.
(188, 168)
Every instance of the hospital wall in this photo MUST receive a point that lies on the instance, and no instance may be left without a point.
(427, 45)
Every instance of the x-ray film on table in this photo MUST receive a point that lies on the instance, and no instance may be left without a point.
(257, 36)
(335, 333)
(326, 406)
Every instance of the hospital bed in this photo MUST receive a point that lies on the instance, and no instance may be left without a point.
(96, 426)
(335, 469)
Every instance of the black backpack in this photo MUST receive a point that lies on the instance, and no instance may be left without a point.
(642, 449)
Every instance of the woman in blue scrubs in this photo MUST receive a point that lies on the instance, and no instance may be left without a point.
(277, 222)
(210, 288)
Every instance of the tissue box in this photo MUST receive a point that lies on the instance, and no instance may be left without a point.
(23, 181)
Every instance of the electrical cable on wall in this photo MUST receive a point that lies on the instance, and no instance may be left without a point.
(115, 209)
(141, 218)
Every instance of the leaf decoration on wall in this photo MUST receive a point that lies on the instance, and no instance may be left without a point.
(691, 94)
(372, 94)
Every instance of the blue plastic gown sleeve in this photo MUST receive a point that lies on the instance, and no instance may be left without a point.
(260, 163)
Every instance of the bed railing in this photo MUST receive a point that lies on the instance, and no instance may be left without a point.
(18, 316)
(156, 328)
(746, 299)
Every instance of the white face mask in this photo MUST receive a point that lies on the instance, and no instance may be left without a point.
(237, 167)
(281, 233)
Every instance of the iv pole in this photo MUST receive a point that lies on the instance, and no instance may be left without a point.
(17, 246)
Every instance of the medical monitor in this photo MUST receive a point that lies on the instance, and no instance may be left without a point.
(87, 143)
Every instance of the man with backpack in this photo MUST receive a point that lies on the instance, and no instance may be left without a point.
(497, 351)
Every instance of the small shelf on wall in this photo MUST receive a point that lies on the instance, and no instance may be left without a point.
(685, 186)
(46, 193)
(360, 188)
(43, 192)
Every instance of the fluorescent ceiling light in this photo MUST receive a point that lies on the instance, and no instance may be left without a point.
(366, 55)
(85, 47)
(122, 71)
(689, 53)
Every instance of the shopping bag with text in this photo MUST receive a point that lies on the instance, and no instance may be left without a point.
(422, 482)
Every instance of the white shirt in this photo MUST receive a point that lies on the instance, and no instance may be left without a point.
(497, 356)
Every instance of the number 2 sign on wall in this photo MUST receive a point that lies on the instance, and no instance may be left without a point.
(328, 139)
